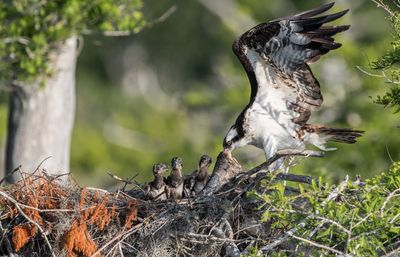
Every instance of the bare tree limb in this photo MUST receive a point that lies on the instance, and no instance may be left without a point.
(320, 245)
(281, 154)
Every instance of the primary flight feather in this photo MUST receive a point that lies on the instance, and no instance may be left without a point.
(284, 92)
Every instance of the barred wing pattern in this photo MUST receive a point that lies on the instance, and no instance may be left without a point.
(287, 45)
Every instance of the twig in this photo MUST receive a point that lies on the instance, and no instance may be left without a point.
(320, 246)
(366, 234)
(193, 241)
(281, 239)
(120, 250)
(246, 228)
(379, 3)
(122, 235)
(368, 73)
(394, 218)
(98, 189)
(392, 253)
(21, 40)
(388, 80)
(362, 220)
(316, 229)
(40, 164)
(15, 202)
(313, 216)
(390, 196)
(130, 246)
(207, 237)
(126, 181)
(163, 17)
(53, 177)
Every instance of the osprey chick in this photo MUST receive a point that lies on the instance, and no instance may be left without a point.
(201, 177)
(175, 180)
(195, 181)
(155, 190)
(284, 92)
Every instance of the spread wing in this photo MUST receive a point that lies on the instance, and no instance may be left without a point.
(285, 47)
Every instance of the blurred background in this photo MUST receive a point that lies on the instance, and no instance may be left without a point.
(175, 88)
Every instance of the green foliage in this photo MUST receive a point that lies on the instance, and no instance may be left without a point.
(389, 64)
(391, 98)
(392, 57)
(360, 219)
(31, 29)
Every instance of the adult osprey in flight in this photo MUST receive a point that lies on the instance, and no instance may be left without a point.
(275, 56)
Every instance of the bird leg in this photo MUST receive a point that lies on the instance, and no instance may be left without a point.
(287, 167)
(227, 153)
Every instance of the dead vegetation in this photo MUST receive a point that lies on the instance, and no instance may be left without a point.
(40, 217)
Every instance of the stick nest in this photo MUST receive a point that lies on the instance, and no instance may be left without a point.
(41, 217)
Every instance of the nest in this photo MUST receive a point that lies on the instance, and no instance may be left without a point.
(41, 217)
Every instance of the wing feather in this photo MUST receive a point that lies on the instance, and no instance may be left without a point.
(314, 11)
(287, 45)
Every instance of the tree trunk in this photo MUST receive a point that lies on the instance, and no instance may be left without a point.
(41, 118)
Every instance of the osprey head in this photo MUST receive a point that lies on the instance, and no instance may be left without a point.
(176, 163)
(205, 161)
(231, 140)
(159, 168)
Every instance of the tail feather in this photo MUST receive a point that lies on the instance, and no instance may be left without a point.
(318, 135)
(343, 135)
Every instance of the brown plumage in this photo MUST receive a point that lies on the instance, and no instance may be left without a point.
(175, 180)
(156, 189)
(201, 177)
(342, 135)
(188, 183)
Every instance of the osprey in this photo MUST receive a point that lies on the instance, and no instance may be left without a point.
(155, 190)
(284, 92)
(175, 180)
(197, 180)
(201, 177)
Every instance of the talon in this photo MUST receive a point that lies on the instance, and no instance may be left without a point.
(228, 154)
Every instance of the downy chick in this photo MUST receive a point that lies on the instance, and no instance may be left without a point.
(201, 174)
(156, 189)
(175, 180)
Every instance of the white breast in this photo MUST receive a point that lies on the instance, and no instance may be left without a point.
(268, 119)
